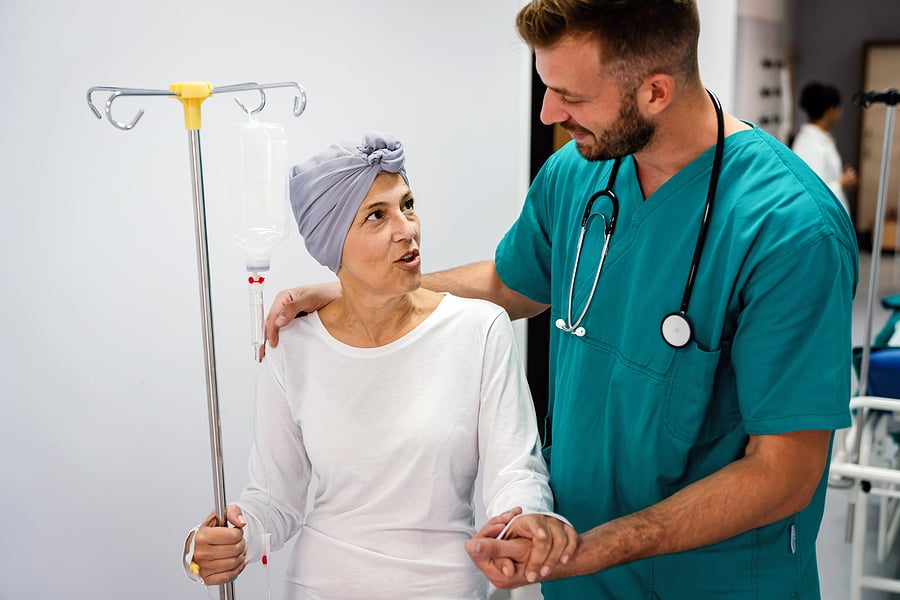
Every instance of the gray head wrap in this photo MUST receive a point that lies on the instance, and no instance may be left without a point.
(328, 189)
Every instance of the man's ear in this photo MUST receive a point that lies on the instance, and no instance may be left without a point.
(656, 93)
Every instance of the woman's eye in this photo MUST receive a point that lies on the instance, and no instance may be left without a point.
(409, 204)
(376, 215)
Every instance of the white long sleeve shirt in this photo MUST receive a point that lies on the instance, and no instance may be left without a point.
(817, 149)
(393, 436)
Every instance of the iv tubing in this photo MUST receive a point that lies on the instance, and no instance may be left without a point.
(257, 316)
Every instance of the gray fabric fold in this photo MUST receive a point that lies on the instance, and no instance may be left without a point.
(328, 189)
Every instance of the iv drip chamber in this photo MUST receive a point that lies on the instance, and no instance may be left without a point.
(264, 192)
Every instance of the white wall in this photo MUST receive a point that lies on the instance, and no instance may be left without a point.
(717, 48)
(104, 453)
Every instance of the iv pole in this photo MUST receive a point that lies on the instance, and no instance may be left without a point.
(890, 98)
(191, 95)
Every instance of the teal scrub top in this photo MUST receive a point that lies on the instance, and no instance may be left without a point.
(632, 420)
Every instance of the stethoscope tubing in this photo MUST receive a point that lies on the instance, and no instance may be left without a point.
(707, 212)
(608, 229)
(675, 327)
(574, 327)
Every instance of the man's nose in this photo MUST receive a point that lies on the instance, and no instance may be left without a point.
(551, 109)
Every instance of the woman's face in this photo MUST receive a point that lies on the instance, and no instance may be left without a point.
(381, 251)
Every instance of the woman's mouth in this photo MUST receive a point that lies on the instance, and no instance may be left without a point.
(410, 258)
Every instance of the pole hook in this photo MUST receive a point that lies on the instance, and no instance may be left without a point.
(115, 93)
(299, 99)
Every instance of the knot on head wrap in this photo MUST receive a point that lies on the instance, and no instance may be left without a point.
(328, 189)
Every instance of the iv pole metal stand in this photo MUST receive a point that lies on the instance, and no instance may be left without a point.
(191, 95)
(890, 98)
(863, 404)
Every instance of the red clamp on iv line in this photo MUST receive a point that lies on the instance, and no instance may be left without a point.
(266, 547)
(258, 279)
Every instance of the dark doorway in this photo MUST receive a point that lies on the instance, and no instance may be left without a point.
(542, 146)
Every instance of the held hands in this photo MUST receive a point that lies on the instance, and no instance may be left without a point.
(532, 546)
(220, 551)
(290, 303)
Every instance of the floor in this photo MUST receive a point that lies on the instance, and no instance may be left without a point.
(834, 553)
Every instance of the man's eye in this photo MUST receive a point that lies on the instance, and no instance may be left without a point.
(409, 204)
(375, 216)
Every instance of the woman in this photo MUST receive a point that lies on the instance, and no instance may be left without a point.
(814, 143)
(390, 398)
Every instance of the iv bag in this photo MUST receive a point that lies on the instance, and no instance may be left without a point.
(264, 190)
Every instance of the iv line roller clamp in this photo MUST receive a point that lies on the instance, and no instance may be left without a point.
(191, 95)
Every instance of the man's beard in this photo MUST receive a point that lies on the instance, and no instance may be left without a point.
(630, 134)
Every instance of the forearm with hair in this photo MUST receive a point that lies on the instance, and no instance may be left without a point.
(776, 479)
(480, 280)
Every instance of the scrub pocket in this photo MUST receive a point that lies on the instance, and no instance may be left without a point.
(700, 404)
(755, 565)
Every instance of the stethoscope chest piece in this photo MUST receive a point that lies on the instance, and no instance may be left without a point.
(676, 330)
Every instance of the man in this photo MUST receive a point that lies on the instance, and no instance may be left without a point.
(693, 466)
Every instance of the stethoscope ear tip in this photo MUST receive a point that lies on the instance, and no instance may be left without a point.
(561, 324)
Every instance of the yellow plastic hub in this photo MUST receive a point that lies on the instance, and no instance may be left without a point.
(191, 94)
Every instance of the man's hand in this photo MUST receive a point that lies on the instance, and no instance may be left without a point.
(533, 545)
(293, 302)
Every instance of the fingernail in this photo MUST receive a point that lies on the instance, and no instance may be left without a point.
(545, 571)
(531, 576)
(280, 320)
(505, 571)
(242, 520)
(565, 559)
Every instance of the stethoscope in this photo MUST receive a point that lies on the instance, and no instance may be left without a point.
(676, 329)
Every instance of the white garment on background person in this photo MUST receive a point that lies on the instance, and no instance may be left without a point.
(817, 148)
(394, 436)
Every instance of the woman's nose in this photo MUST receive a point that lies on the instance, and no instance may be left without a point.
(407, 228)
